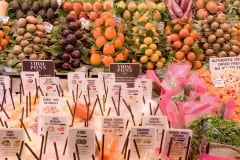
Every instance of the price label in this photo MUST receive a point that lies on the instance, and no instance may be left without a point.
(4, 19)
(49, 85)
(11, 140)
(113, 126)
(118, 21)
(176, 143)
(59, 2)
(75, 79)
(218, 82)
(161, 27)
(84, 22)
(144, 138)
(84, 140)
(48, 27)
(30, 80)
(5, 84)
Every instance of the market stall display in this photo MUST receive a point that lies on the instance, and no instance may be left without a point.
(184, 55)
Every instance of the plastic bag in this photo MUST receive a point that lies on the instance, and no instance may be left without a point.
(229, 109)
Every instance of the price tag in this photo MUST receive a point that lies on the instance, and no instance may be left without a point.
(106, 79)
(5, 84)
(145, 85)
(160, 123)
(30, 80)
(176, 143)
(48, 27)
(84, 139)
(91, 89)
(57, 132)
(11, 140)
(75, 79)
(161, 27)
(113, 126)
(59, 2)
(84, 22)
(48, 106)
(118, 21)
(144, 138)
(4, 19)
(49, 85)
(116, 92)
(218, 82)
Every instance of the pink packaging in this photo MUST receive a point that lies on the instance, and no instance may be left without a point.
(229, 108)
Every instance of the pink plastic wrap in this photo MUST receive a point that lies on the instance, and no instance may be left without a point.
(210, 157)
(193, 109)
(194, 81)
(151, 74)
(230, 106)
(179, 72)
(169, 108)
(175, 77)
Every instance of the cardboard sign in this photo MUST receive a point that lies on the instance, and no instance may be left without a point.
(49, 85)
(125, 72)
(10, 143)
(45, 68)
(84, 139)
(176, 143)
(144, 138)
(30, 80)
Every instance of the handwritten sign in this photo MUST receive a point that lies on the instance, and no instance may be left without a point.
(44, 67)
(125, 72)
